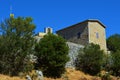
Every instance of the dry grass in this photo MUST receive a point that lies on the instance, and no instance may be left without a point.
(70, 74)
(3, 77)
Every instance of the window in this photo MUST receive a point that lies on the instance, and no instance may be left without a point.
(97, 35)
(78, 35)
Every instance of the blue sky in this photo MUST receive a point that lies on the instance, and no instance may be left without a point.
(59, 14)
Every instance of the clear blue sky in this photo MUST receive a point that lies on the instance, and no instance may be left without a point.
(59, 14)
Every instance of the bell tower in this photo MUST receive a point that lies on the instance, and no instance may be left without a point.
(48, 30)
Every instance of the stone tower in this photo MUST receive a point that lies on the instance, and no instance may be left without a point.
(88, 31)
(48, 30)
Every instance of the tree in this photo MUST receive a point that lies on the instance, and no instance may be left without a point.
(116, 63)
(90, 59)
(16, 44)
(52, 53)
(113, 42)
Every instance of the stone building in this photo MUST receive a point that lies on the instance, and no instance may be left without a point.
(42, 34)
(89, 31)
(46, 31)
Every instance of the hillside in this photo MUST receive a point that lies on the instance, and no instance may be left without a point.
(75, 75)
(69, 75)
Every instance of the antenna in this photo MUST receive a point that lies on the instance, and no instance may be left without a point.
(11, 13)
(10, 9)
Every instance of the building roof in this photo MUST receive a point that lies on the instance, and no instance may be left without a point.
(95, 20)
(89, 20)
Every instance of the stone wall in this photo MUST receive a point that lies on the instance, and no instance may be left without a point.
(77, 33)
(73, 52)
(90, 31)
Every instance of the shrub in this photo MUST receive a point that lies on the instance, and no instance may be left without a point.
(52, 53)
(90, 59)
(116, 63)
(105, 75)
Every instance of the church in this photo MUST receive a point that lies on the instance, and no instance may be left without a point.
(83, 33)
(79, 35)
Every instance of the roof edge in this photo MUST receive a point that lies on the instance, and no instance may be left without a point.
(96, 20)
(88, 20)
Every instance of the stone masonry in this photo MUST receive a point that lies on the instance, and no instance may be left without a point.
(89, 31)
(73, 52)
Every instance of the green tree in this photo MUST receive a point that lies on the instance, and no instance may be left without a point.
(116, 63)
(90, 59)
(52, 53)
(16, 45)
(113, 42)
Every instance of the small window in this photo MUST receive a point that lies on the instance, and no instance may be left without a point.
(97, 35)
(78, 35)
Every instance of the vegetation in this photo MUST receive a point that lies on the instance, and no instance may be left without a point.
(52, 53)
(115, 67)
(90, 59)
(107, 62)
(105, 75)
(113, 42)
(16, 44)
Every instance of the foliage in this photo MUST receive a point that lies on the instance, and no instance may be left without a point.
(116, 63)
(107, 62)
(105, 75)
(113, 42)
(52, 53)
(90, 59)
(16, 44)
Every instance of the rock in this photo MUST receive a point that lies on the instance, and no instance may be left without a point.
(39, 75)
(28, 77)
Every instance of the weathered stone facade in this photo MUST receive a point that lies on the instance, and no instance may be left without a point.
(77, 33)
(89, 31)
(97, 34)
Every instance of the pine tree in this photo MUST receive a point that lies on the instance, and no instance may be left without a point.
(16, 44)
(52, 53)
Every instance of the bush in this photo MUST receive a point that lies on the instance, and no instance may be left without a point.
(52, 53)
(116, 63)
(107, 62)
(105, 75)
(90, 59)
